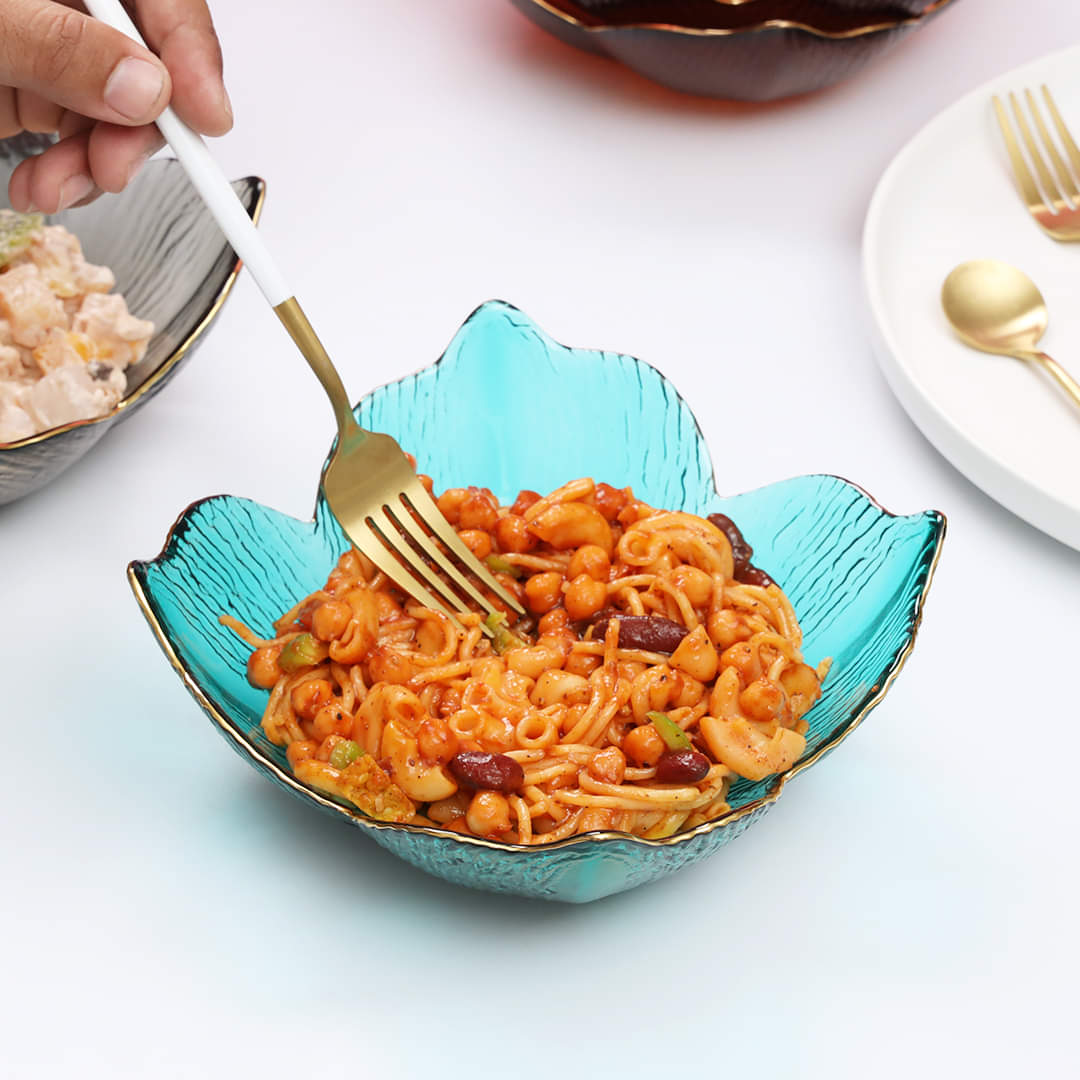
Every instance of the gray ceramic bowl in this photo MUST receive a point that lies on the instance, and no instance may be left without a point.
(173, 266)
(737, 52)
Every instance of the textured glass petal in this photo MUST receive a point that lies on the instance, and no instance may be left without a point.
(856, 574)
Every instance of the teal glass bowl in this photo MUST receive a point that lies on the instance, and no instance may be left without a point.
(508, 408)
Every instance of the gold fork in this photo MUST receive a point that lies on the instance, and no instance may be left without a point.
(380, 503)
(369, 485)
(1056, 207)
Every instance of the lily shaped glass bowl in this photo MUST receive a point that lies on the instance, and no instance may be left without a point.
(857, 575)
(172, 265)
(756, 51)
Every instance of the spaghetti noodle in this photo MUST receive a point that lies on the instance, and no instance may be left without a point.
(656, 664)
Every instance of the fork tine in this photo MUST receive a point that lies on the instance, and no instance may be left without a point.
(405, 521)
(385, 525)
(1060, 167)
(1066, 139)
(1047, 181)
(369, 544)
(419, 499)
(1023, 176)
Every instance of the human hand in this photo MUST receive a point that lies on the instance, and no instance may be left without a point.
(63, 71)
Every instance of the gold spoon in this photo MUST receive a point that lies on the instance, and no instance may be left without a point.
(996, 308)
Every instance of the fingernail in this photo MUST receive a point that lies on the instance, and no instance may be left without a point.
(225, 100)
(73, 189)
(133, 87)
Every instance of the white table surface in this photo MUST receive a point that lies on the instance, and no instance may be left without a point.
(909, 906)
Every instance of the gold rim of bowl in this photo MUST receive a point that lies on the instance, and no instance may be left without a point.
(171, 360)
(248, 746)
(766, 24)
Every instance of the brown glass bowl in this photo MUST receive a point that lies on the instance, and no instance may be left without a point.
(821, 14)
(748, 59)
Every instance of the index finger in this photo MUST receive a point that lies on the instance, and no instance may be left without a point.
(182, 33)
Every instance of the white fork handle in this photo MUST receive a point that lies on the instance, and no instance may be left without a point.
(206, 176)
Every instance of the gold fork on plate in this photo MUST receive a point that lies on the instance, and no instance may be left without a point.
(369, 485)
(1054, 204)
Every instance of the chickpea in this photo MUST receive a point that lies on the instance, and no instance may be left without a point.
(435, 740)
(479, 510)
(426, 482)
(553, 622)
(802, 687)
(300, 750)
(488, 813)
(644, 746)
(743, 659)
(331, 719)
(262, 667)
(386, 664)
(477, 541)
(726, 627)
(592, 560)
(310, 696)
(585, 596)
(697, 584)
(446, 810)
(430, 638)
(609, 501)
(329, 619)
(608, 766)
(581, 663)
(543, 591)
(762, 701)
(569, 525)
(525, 499)
(512, 534)
(449, 504)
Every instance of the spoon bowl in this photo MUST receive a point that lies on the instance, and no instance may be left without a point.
(994, 307)
(997, 308)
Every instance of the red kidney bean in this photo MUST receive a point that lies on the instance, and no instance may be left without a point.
(488, 772)
(682, 767)
(751, 575)
(741, 553)
(651, 632)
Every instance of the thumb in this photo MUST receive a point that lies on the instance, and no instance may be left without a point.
(80, 63)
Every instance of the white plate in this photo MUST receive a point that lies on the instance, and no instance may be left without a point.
(947, 197)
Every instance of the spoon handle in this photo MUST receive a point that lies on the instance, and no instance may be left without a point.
(1065, 380)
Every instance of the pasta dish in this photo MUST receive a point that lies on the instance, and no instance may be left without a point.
(656, 664)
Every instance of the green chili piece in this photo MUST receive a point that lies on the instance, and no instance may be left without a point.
(501, 638)
(345, 753)
(303, 651)
(670, 732)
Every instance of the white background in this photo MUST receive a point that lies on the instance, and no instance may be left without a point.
(909, 907)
